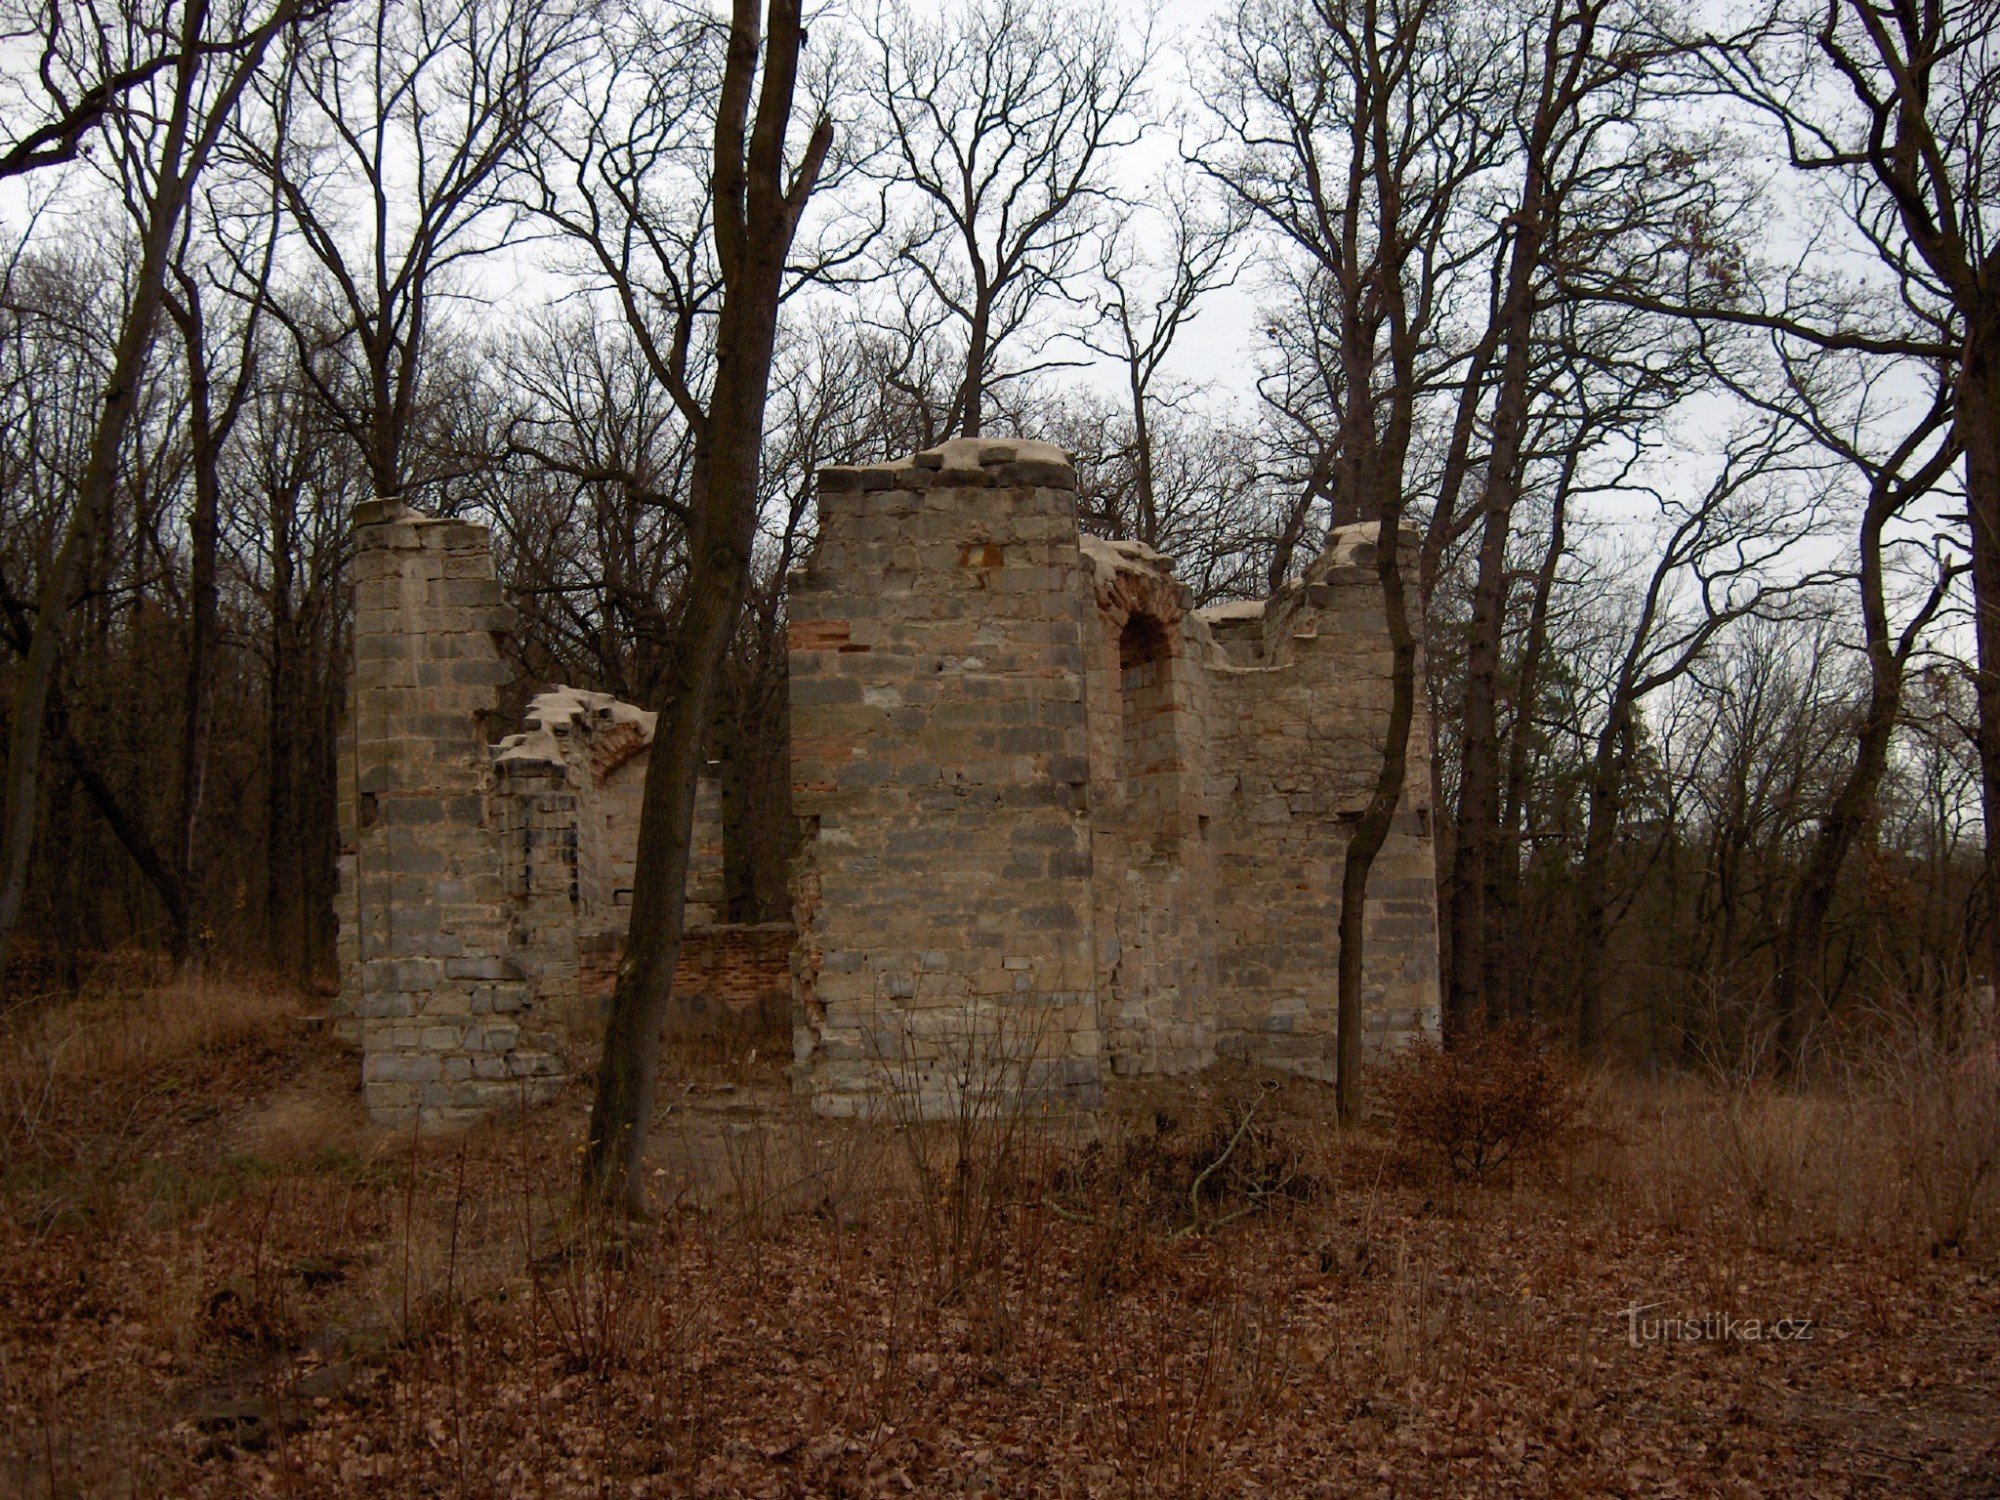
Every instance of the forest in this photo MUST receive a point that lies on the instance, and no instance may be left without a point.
(1666, 336)
(1675, 331)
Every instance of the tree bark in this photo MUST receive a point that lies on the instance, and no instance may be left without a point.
(756, 217)
(1976, 425)
(1472, 889)
(977, 353)
(1142, 460)
(198, 685)
(1800, 956)
(1513, 961)
(1372, 831)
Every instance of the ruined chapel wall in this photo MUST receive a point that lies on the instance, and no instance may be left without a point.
(437, 994)
(939, 751)
(610, 810)
(569, 788)
(1053, 819)
(1301, 713)
(1152, 769)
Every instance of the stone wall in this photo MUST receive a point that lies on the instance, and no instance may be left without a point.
(940, 763)
(1055, 822)
(1152, 820)
(1300, 703)
(1014, 745)
(430, 979)
(482, 882)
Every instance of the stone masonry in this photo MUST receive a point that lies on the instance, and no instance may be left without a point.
(941, 762)
(430, 980)
(1055, 824)
(482, 883)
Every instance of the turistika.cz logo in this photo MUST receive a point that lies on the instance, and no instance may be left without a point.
(1710, 1328)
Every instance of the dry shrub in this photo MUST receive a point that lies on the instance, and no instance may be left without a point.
(1899, 1148)
(107, 1102)
(1944, 1107)
(114, 1037)
(1489, 1101)
(1777, 1166)
(1183, 1177)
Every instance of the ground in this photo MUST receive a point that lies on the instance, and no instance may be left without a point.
(215, 1279)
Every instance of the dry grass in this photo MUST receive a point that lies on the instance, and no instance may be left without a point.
(220, 1282)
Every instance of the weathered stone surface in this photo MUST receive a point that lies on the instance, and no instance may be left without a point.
(427, 923)
(1183, 902)
(1056, 823)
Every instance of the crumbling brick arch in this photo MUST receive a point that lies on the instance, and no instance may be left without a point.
(615, 747)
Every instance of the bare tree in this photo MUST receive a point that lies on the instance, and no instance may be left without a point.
(705, 232)
(1897, 108)
(403, 123)
(593, 519)
(1706, 575)
(1002, 118)
(1145, 304)
(1838, 409)
(1350, 133)
(188, 108)
(89, 61)
(1598, 170)
(298, 480)
(220, 355)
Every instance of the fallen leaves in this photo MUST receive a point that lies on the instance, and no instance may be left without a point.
(398, 1325)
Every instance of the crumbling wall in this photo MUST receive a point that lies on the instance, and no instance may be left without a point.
(479, 882)
(1052, 817)
(940, 759)
(431, 982)
(1232, 750)
(1153, 865)
(733, 984)
(1301, 707)
(575, 777)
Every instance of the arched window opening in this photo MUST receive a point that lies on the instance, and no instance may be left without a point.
(1151, 737)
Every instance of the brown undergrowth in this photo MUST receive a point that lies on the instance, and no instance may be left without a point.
(218, 1281)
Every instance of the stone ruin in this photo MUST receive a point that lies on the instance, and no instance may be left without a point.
(1054, 823)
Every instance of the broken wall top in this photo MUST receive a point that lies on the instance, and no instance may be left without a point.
(569, 726)
(960, 463)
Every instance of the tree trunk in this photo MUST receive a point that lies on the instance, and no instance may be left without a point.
(1142, 455)
(1513, 961)
(283, 947)
(974, 402)
(1800, 946)
(718, 563)
(755, 218)
(1476, 826)
(1976, 424)
(87, 519)
(1593, 878)
(181, 156)
(1372, 830)
(198, 687)
(1471, 891)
